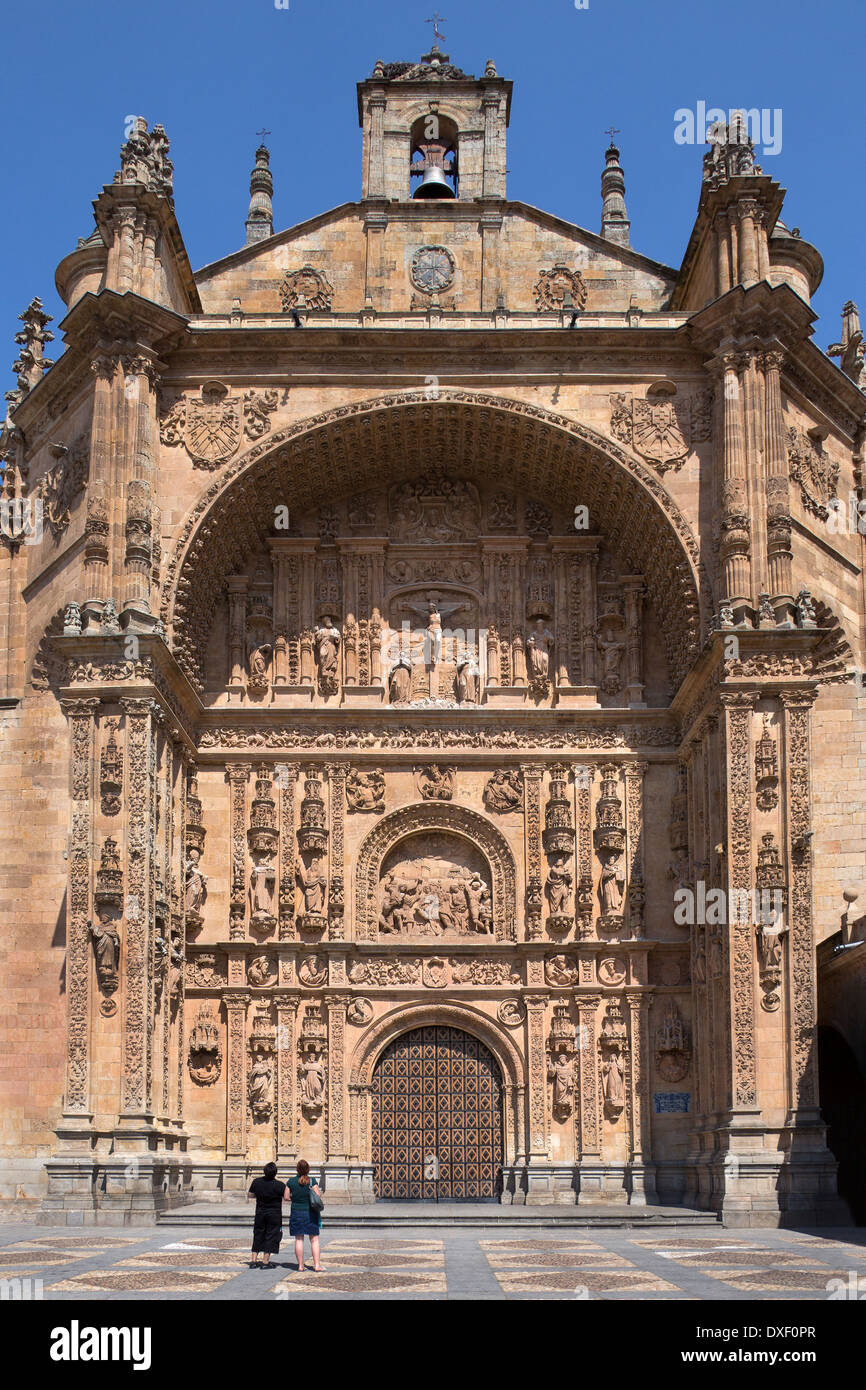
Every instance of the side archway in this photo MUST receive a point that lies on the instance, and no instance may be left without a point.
(450, 819)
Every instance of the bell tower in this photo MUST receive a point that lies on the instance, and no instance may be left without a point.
(433, 131)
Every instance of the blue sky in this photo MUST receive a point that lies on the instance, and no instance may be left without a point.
(214, 72)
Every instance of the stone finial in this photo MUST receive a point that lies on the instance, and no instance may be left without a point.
(849, 349)
(490, 69)
(144, 158)
(260, 219)
(379, 69)
(615, 225)
(30, 364)
(731, 151)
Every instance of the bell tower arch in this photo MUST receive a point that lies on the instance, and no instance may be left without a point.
(432, 130)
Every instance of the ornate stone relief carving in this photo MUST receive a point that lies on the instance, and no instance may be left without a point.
(434, 508)
(511, 1012)
(560, 287)
(262, 837)
(555, 737)
(205, 1053)
(658, 428)
(111, 771)
(560, 970)
(313, 971)
(306, 288)
(435, 885)
(260, 1078)
(212, 425)
(503, 791)
(365, 790)
(435, 782)
(766, 769)
(610, 844)
(261, 972)
(62, 484)
(673, 1046)
(359, 1012)
(814, 471)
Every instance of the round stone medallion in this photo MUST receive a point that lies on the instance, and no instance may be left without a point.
(432, 269)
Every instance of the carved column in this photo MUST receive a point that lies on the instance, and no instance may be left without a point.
(281, 622)
(236, 1068)
(539, 1138)
(81, 715)
(336, 885)
(287, 774)
(738, 707)
(287, 1002)
(337, 1146)
(237, 587)
(640, 1143)
(802, 1013)
(583, 794)
(723, 264)
(588, 1138)
(97, 525)
(238, 775)
(589, 612)
(139, 397)
(633, 587)
(634, 775)
(778, 504)
(734, 548)
(136, 1077)
(532, 778)
(747, 211)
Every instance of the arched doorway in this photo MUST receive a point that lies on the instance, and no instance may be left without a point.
(437, 1091)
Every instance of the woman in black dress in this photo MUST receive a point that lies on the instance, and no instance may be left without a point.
(303, 1219)
(267, 1227)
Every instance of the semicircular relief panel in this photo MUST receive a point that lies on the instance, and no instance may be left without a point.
(435, 885)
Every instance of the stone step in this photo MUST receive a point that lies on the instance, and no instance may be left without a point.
(391, 1215)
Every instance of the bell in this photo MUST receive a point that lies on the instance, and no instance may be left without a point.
(434, 185)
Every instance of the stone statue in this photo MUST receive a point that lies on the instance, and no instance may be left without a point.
(263, 889)
(611, 658)
(327, 641)
(558, 887)
(504, 791)
(433, 639)
(539, 645)
(561, 1073)
(106, 947)
(468, 681)
(400, 683)
(313, 1082)
(196, 881)
(393, 899)
(480, 910)
(259, 1088)
(614, 1096)
(612, 884)
(72, 620)
(314, 886)
(259, 658)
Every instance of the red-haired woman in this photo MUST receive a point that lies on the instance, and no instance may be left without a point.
(304, 1219)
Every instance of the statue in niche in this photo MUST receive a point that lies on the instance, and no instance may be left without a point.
(612, 1084)
(259, 1088)
(504, 791)
(327, 642)
(468, 681)
(400, 683)
(611, 660)
(313, 1082)
(263, 890)
(196, 885)
(259, 665)
(611, 886)
(558, 886)
(539, 645)
(313, 884)
(365, 791)
(433, 641)
(106, 948)
(480, 909)
(561, 1072)
(175, 970)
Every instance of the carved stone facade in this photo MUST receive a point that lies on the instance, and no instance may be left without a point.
(357, 728)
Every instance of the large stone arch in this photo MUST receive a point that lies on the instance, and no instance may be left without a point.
(402, 1019)
(390, 438)
(451, 819)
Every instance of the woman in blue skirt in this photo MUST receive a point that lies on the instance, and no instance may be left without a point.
(304, 1219)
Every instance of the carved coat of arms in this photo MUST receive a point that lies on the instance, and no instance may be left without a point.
(815, 472)
(554, 288)
(659, 429)
(306, 288)
(212, 426)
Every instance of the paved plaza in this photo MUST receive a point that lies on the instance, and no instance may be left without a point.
(435, 1263)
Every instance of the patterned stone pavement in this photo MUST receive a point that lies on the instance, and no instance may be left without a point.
(490, 1263)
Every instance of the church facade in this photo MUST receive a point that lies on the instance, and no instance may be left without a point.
(428, 648)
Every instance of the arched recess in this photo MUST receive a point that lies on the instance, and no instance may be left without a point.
(402, 1019)
(450, 819)
(389, 439)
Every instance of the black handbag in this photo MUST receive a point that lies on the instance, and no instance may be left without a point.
(317, 1203)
